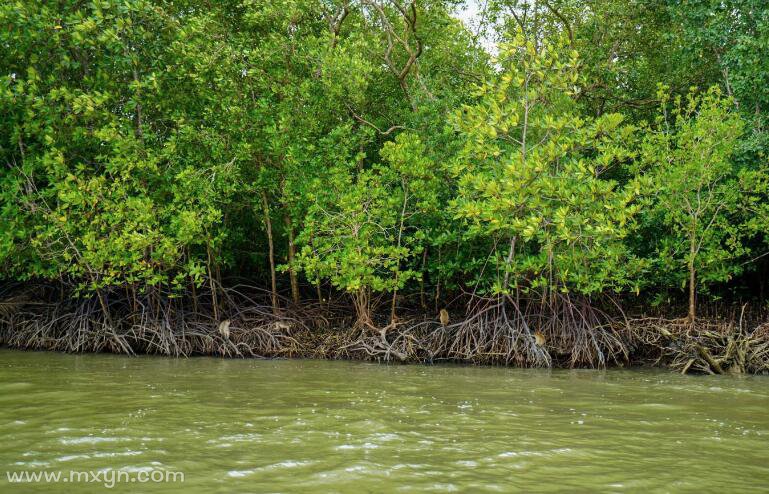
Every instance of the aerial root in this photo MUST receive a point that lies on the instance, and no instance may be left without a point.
(562, 331)
(704, 346)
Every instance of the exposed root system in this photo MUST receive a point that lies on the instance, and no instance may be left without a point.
(705, 346)
(562, 331)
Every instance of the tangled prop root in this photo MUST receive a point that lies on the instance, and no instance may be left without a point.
(562, 331)
(151, 325)
(705, 346)
(496, 331)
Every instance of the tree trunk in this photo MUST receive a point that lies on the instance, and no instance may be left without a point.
(692, 281)
(398, 266)
(291, 256)
(393, 307)
(422, 301)
(105, 310)
(510, 255)
(214, 298)
(438, 283)
(362, 302)
(318, 292)
(273, 277)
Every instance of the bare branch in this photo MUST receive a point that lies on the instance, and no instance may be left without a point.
(366, 122)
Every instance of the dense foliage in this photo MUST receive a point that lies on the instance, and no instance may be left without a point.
(386, 150)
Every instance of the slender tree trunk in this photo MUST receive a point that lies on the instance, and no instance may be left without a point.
(692, 295)
(692, 280)
(398, 267)
(438, 283)
(422, 301)
(318, 289)
(510, 255)
(193, 288)
(273, 276)
(393, 306)
(212, 284)
(362, 302)
(291, 256)
(105, 310)
(319, 292)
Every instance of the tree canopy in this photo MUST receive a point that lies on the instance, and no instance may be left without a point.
(386, 150)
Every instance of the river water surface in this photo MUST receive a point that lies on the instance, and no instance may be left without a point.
(318, 426)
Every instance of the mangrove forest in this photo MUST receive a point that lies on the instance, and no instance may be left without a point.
(536, 183)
